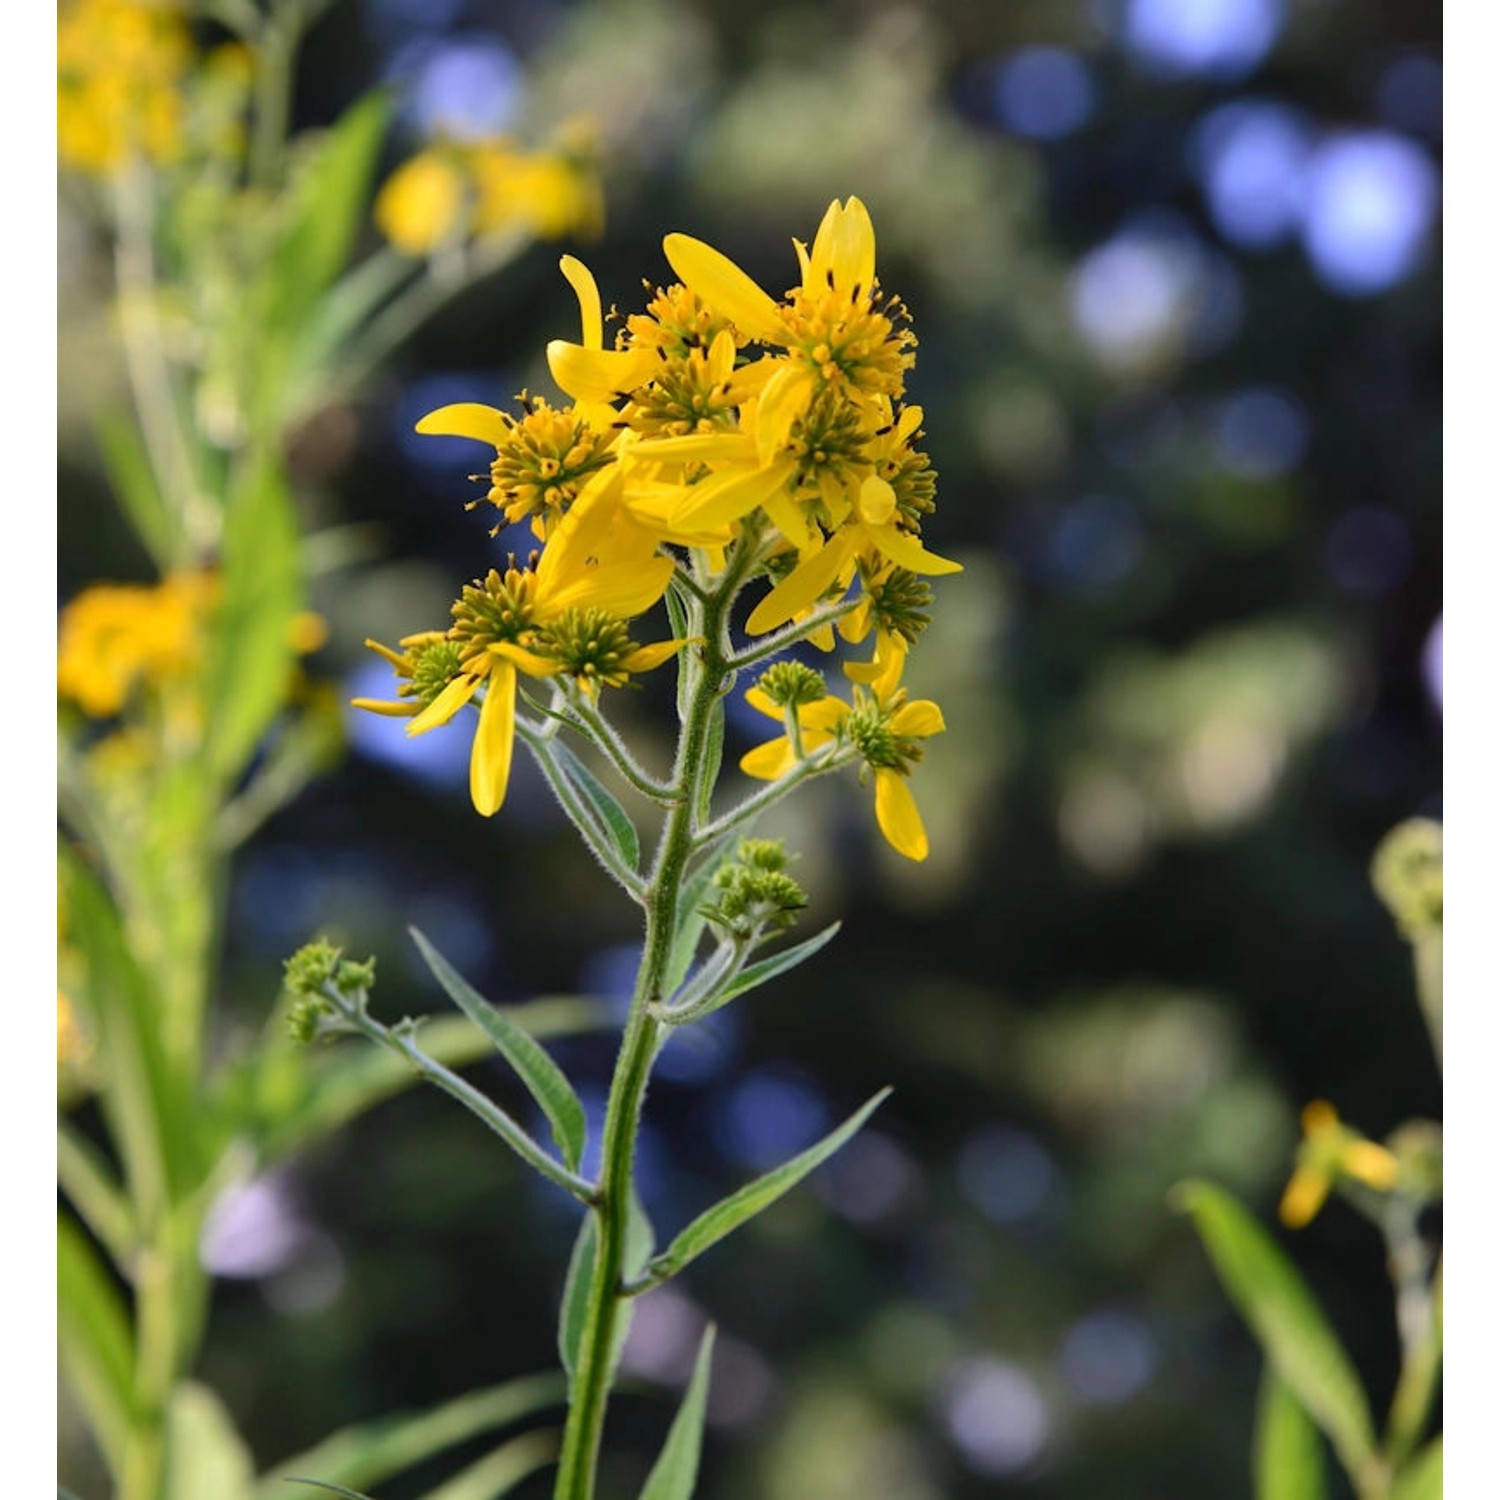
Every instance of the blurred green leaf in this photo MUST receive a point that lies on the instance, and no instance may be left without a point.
(205, 1454)
(675, 1472)
(128, 468)
(726, 1216)
(1288, 1449)
(319, 1484)
(1287, 1320)
(546, 1082)
(144, 1098)
(371, 1452)
(88, 1180)
(94, 1343)
(252, 656)
(613, 820)
(1422, 1478)
(498, 1473)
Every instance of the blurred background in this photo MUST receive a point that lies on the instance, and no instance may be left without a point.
(1173, 265)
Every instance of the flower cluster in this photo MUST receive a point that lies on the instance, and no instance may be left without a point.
(455, 189)
(764, 438)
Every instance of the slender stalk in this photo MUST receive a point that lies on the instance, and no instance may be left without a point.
(279, 35)
(825, 758)
(709, 678)
(799, 630)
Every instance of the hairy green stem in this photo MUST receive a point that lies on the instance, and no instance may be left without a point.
(709, 678)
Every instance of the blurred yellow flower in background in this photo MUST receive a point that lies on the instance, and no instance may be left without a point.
(120, 66)
(1332, 1151)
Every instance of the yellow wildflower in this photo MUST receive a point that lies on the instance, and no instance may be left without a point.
(422, 202)
(114, 637)
(881, 725)
(1330, 1152)
(120, 67)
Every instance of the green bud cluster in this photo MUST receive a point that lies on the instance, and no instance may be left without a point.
(790, 684)
(433, 667)
(492, 609)
(591, 645)
(900, 604)
(869, 730)
(1407, 874)
(755, 893)
(310, 973)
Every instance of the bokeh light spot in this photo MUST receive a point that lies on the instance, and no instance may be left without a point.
(1107, 1357)
(995, 1414)
(1043, 92)
(1221, 39)
(1261, 433)
(1252, 160)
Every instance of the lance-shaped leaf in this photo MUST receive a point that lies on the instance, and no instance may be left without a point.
(614, 822)
(767, 969)
(1287, 1320)
(93, 1341)
(545, 1080)
(675, 1472)
(369, 1453)
(1288, 1448)
(729, 1213)
(498, 1473)
(1422, 1478)
(134, 484)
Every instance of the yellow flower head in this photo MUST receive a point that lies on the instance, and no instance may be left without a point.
(1332, 1152)
(120, 70)
(881, 726)
(114, 638)
(421, 204)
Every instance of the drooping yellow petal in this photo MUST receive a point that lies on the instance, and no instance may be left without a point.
(810, 578)
(1371, 1164)
(726, 288)
(918, 720)
(788, 518)
(820, 719)
(909, 553)
(769, 761)
(600, 555)
(494, 741)
(896, 813)
(581, 279)
(468, 419)
(389, 710)
(445, 705)
(528, 661)
(597, 374)
(695, 448)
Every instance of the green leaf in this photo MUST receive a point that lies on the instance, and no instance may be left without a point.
(729, 1213)
(252, 658)
(677, 618)
(690, 918)
(372, 1452)
(640, 1241)
(333, 1489)
(205, 1454)
(546, 1082)
(1286, 1318)
(94, 1342)
(614, 821)
(713, 759)
(89, 1181)
(753, 975)
(295, 1096)
(128, 468)
(675, 1472)
(1288, 1449)
(498, 1473)
(144, 1098)
(1422, 1478)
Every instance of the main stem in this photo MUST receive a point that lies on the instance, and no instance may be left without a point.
(594, 1372)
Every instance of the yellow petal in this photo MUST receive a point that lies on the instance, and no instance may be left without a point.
(648, 658)
(528, 661)
(445, 705)
(896, 813)
(918, 720)
(757, 699)
(1304, 1196)
(468, 419)
(402, 710)
(800, 587)
(820, 719)
(877, 501)
(726, 288)
(909, 553)
(581, 279)
(1371, 1164)
(1318, 1115)
(598, 374)
(769, 761)
(695, 448)
(494, 741)
(788, 518)
(724, 498)
(784, 399)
